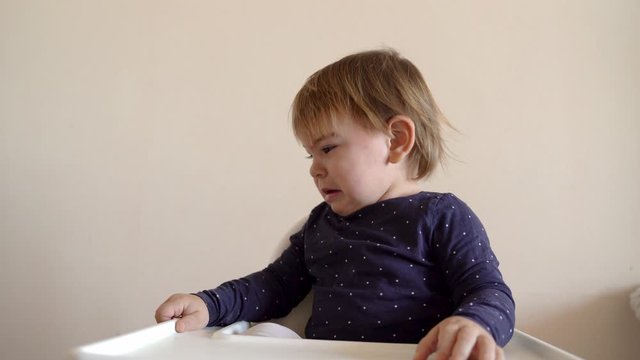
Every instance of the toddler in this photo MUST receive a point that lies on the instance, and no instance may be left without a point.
(386, 261)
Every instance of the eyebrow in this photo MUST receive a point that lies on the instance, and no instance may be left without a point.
(321, 138)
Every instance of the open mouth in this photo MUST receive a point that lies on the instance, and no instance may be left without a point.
(330, 194)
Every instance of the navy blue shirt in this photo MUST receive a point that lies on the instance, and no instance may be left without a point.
(387, 273)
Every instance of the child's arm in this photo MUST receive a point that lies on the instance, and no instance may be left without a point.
(190, 310)
(470, 268)
(263, 295)
(457, 337)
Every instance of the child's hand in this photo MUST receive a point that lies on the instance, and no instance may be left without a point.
(190, 309)
(457, 337)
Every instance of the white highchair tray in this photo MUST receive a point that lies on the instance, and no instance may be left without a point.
(162, 342)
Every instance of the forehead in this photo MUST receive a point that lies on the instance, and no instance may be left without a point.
(310, 131)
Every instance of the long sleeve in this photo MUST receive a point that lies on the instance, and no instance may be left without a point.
(263, 295)
(471, 269)
(388, 272)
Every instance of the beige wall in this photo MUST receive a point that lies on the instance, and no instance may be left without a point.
(145, 150)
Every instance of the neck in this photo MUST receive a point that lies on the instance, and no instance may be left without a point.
(404, 188)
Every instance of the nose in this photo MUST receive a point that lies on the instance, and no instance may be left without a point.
(317, 170)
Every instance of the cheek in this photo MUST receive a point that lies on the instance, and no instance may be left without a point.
(358, 176)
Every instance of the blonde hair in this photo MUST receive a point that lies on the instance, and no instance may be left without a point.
(372, 87)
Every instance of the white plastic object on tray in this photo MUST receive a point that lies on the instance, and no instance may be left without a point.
(162, 342)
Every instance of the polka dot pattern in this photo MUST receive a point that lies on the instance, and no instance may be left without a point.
(389, 272)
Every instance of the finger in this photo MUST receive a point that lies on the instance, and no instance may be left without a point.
(499, 353)
(164, 312)
(188, 323)
(427, 345)
(169, 309)
(446, 339)
(464, 342)
(485, 348)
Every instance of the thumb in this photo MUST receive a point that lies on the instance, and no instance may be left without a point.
(188, 323)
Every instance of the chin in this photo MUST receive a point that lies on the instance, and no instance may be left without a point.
(343, 212)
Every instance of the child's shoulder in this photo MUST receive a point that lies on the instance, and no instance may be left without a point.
(442, 205)
(436, 199)
(428, 204)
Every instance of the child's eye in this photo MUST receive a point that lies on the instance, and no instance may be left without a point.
(326, 149)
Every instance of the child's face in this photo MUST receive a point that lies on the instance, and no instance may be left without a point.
(351, 166)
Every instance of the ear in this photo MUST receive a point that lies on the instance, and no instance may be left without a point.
(403, 137)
